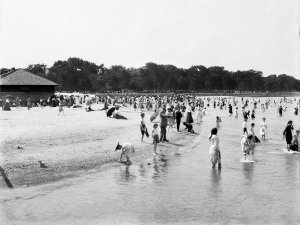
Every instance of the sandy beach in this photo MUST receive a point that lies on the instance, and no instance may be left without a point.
(70, 145)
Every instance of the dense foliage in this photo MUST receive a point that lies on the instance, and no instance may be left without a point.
(76, 74)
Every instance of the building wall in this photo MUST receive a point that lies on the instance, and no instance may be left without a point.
(35, 92)
(26, 88)
(35, 96)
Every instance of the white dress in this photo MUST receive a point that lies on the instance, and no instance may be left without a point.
(263, 128)
(214, 148)
(128, 149)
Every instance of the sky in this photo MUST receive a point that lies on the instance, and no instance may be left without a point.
(237, 34)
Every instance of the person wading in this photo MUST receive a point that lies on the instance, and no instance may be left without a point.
(163, 125)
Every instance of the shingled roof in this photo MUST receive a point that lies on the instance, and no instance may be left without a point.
(23, 77)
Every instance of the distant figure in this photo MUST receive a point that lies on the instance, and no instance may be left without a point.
(218, 121)
(214, 151)
(199, 114)
(60, 107)
(6, 106)
(244, 126)
(127, 150)
(29, 104)
(230, 109)
(236, 113)
(280, 109)
(178, 116)
(263, 128)
(296, 112)
(253, 114)
(287, 133)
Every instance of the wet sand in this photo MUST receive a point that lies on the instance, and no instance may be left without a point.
(70, 145)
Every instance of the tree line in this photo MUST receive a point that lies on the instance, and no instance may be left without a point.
(75, 74)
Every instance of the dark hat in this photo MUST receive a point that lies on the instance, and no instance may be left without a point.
(118, 146)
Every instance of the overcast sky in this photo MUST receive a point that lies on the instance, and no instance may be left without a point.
(237, 34)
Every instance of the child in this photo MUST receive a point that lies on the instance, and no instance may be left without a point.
(204, 112)
(218, 121)
(143, 127)
(170, 118)
(253, 114)
(127, 150)
(214, 151)
(236, 113)
(255, 139)
(244, 126)
(263, 128)
(60, 108)
(155, 137)
(248, 146)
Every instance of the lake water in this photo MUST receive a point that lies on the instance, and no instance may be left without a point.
(180, 189)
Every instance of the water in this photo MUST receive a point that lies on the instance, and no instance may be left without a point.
(177, 189)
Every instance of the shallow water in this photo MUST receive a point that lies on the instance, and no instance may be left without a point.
(181, 189)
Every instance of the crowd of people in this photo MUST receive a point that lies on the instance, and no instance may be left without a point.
(168, 113)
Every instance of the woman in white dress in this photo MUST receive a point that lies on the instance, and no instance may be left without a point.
(214, 151)
(199, 114)
(263, 128)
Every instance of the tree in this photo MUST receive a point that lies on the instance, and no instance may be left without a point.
(38, 69)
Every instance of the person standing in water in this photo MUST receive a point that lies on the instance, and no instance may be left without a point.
(263, 128)
(214, 151)
(163, 125)
(295, 141)
(155, 137)
(287, 134)
(230, 109)
(218, 121)
(252, 131)
(248, 146)
(244, 126)
(280, 109)
(199, 114)
(143, 127)
(236, 113)
(178, 116)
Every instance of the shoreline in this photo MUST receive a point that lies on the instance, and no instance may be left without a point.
(78, 149)
(204, 94)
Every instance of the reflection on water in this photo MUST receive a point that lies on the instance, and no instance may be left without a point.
(177, 188)
(125, 175)
(215, 183)
(248, 169)
(159, 166)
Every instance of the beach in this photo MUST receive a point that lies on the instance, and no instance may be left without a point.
(69, 145)
(85, 184)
